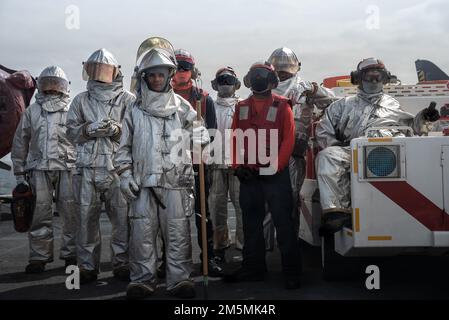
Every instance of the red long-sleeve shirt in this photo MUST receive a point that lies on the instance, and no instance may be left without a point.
(287, 131)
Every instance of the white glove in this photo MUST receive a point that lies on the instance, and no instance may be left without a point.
(128, 186)
(99, 129)
(200, 135)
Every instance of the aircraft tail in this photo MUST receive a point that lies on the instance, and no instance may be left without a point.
(428, 71)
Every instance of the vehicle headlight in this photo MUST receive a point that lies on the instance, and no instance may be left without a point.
(382, 162)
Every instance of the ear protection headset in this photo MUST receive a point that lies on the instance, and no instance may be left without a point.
(272, 76)
(229, 69)
(369, 63)
(195, 73)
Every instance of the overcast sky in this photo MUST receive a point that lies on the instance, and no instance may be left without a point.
(329, 37)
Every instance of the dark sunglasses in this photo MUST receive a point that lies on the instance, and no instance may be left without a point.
(185, 66)
(226, 79)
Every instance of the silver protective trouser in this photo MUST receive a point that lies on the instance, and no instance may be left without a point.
(92, 187)
(147, 218)
(224, 182)
(333, 175)
(44, 184)
(297, 170)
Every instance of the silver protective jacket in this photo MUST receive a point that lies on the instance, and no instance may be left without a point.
(40, 141)
(146, 145)
(350, 117)
(100, 101)
(303, 111)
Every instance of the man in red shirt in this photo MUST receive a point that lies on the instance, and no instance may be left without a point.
(264, 128)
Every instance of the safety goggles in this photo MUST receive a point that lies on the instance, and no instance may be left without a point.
(374, 76)
(226, 79)
(184, 66)
(259, 73)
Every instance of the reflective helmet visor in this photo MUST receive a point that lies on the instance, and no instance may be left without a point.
(53, 84)
(100, 72)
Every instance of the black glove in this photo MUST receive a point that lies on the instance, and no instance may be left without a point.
(245, 174)
(300, 148)
(431, 113)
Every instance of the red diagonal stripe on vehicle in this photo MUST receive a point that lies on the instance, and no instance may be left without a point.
(415, 203)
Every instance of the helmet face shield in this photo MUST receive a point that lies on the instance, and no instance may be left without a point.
(99, 72)
(53, 84)
(284, 59)
(157, 57)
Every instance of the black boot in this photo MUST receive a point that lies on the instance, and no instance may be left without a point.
(137, 291)
(243, 275)
(87, 276)
(122, 273)
(292, 282)
(70, 262)
(220, 256)
(214, 269)
(333, 222)
(184, 290)
(35, 266)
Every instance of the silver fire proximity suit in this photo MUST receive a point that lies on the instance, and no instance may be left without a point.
(42, 151)
(347, 119)
(165, 200)
(305, 95)
(101, 106)
(157, 177)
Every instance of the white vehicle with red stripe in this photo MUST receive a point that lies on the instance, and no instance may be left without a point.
(399, 190)
(400, 200)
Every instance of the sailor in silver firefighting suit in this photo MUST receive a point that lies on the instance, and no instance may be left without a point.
(158, 185)
(223, 179)
(305, 95)
(94, 125)
(42, 152)
(347, 119)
